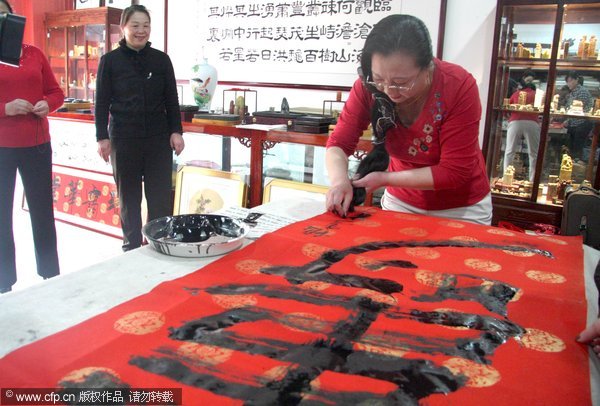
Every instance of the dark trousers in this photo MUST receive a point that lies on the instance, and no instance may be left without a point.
(578, 137)
(137, 160)
(35, 167)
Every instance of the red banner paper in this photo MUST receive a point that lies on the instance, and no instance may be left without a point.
(383, 307)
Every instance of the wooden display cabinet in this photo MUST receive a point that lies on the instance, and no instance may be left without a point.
(76, 39)
(550, 38)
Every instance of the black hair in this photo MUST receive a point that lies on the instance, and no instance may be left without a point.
(10, 9)
(128, 12)
(573, 75)
(397, 32)
(528, 85)
(527, 73)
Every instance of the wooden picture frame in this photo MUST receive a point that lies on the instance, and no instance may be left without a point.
(82, 4)
(204, 191)
(87, 199)
(278, 189)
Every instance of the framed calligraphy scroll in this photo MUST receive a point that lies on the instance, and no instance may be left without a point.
(300, 43)
(205, 191)
(87, 199)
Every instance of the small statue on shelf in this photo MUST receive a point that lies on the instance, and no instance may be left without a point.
(509, 175)
(566, 168)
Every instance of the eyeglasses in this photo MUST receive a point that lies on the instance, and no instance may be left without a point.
(382, 86)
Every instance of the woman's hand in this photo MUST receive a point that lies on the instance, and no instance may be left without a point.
(41, 109)
(372, 181)
(18, 107)
(591, 336)
(104, 149)
(339, 197)
(177, 143)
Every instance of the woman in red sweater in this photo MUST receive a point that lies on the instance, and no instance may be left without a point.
(29, 92)
(427, 114)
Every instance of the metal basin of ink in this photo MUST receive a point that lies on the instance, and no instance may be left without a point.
(195, 235)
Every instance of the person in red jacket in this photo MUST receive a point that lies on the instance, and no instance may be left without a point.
(427, 115)
(524, 124)
(28, 93)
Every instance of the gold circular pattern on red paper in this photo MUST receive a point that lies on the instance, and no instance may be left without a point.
(542, 341)
(488, 285)
(251, 266)
(315, 385)
(517, 295)
(522, 254)
(414, 231)
(501, 231)
(67, 191)
(115, 219)
(315, 285)
(274, 374)
(140, 323)
(80, 184)
(545, 277)
(482, 265)
(368, 264)
(205, 355)
(452, 224)
(314, 250)
(450, 310)
(423, 252)
(554, 240)
(304, 322)
(377, 349)
(234, 301)
(464, 238)
(105, 190)
(367, 223)
(377, 296)
(80, 375)
(433, 279)
(407, 217)
(103, 207)
(479, 376)
(66, 207)
(78, 201)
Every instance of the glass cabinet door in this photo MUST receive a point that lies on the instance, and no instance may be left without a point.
(95, 42)
(521, 82)
(76, 40)
(115, 36)
(55, 44)
(76, 62)
(543, 116)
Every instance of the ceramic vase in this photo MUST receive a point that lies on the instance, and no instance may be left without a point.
(203, 84)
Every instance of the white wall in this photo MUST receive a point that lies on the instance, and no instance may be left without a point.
(468, 41)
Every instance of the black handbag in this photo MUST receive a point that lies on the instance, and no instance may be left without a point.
(581, 215)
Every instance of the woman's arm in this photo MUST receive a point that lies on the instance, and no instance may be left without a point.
(419, 178)
(339, 195)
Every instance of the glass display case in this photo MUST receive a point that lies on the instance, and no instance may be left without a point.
(76, 40)
(543, 112)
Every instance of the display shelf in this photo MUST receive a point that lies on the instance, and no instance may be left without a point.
(76, 40)
(551, 39)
